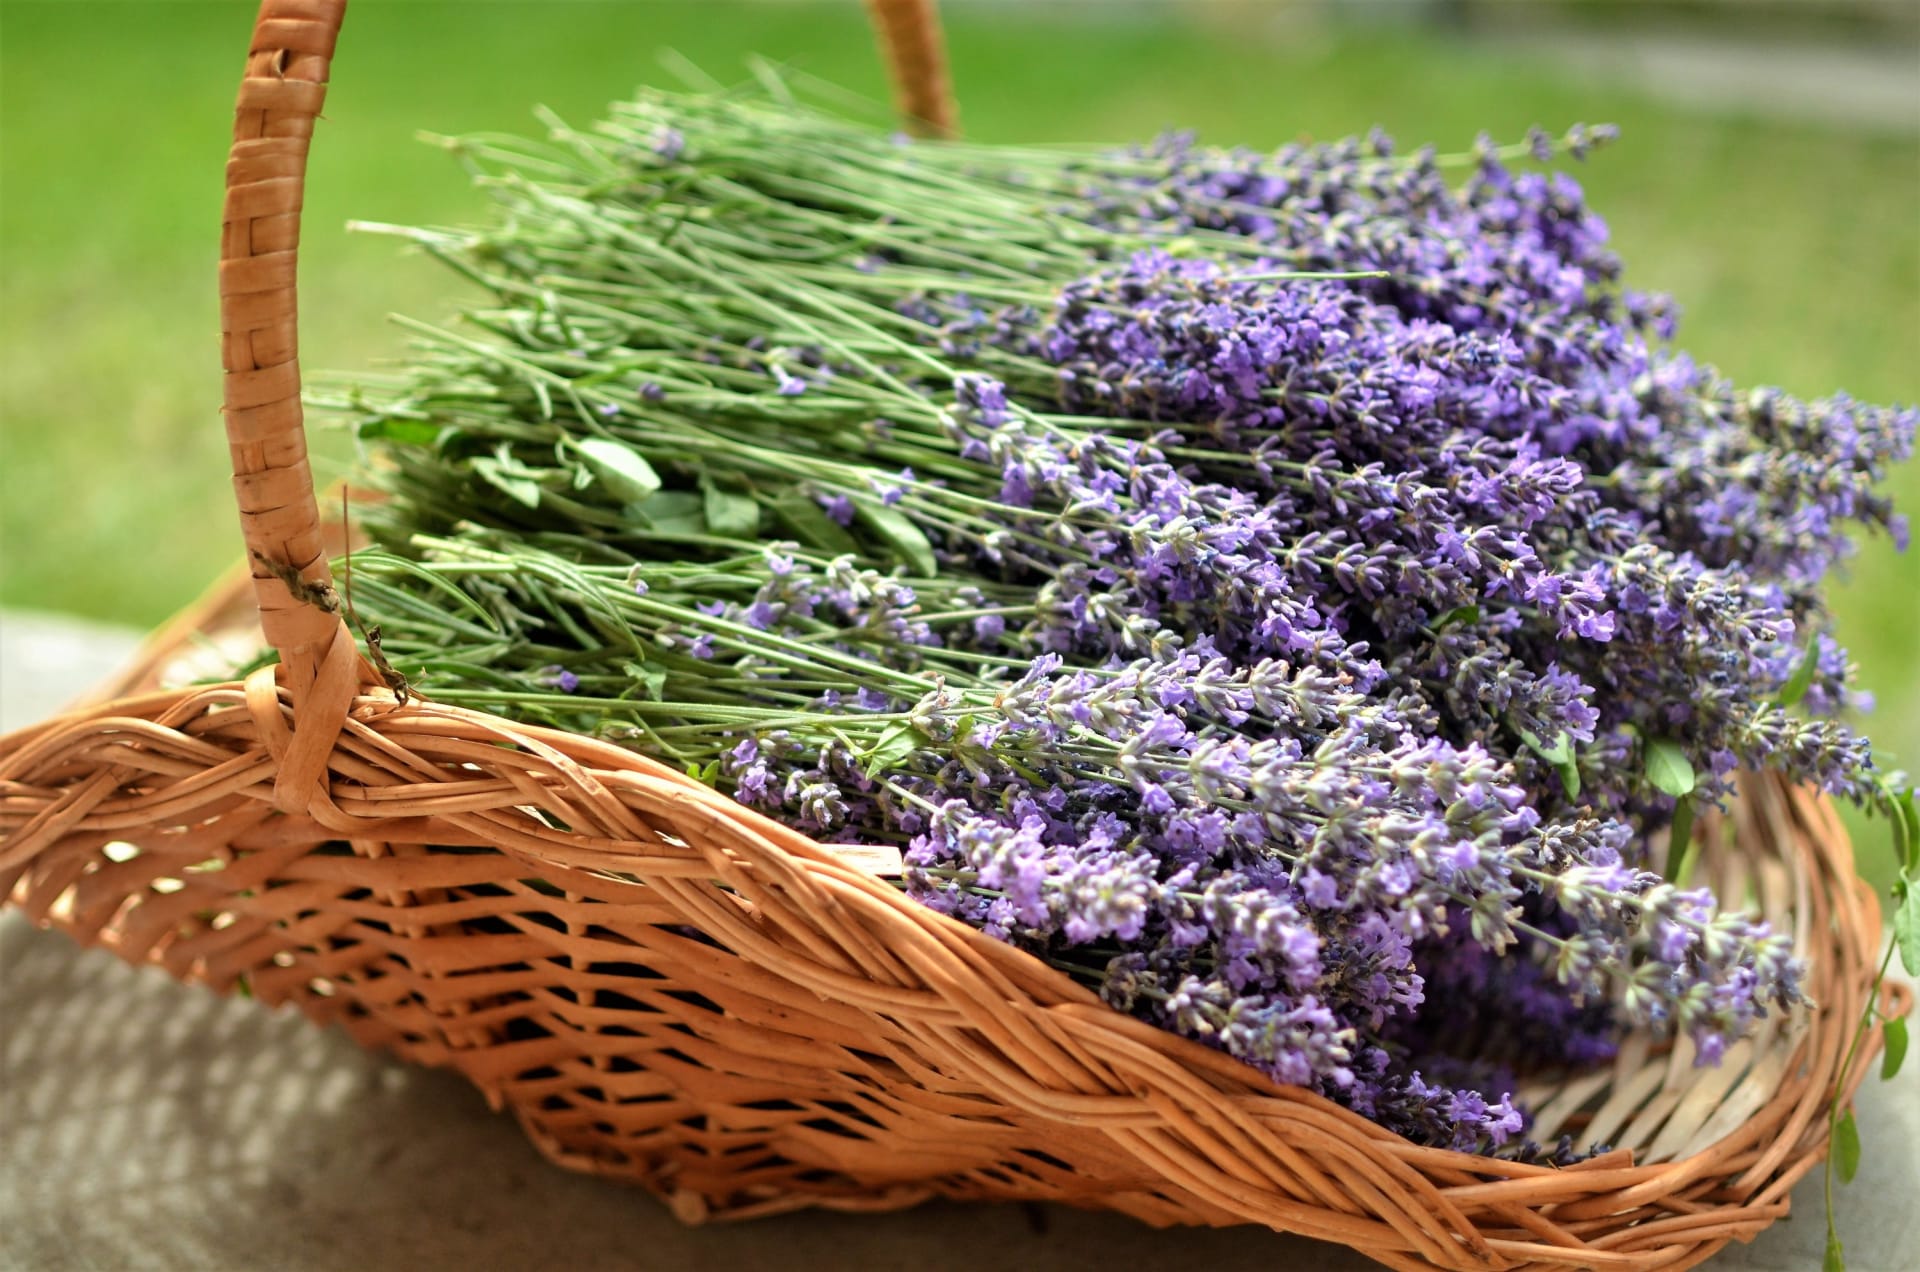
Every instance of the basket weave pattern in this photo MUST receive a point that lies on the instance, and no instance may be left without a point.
(666, 987)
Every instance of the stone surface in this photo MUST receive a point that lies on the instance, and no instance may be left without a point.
(47, 659)
(148, 1126)
(1843, 83)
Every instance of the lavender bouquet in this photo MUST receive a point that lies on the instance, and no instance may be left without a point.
(1302, 596)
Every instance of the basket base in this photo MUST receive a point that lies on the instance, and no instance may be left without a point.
(151, 1124)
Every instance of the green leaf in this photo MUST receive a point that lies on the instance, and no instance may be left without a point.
(1680, 840)
(1836, 1260)
(730, 513)
(1895, 1036)
(896, 744)
(520, 489)
(652, 679)
(1460, 615)
(671, 512)
(1558, 753)
(1802, 678)
(621, 469)
(1906, 927)
(812, 526)
(905, 538)
(1908, 816)
(1846, 1148)
(1668, 768)
(399, 429)
(1902, 833)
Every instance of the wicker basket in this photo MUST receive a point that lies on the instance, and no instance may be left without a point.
(677, 991)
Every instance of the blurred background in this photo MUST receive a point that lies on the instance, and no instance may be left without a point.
(1768, 176)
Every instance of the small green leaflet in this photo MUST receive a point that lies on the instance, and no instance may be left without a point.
(1670, 772)
(895, 745)
(520, 489)
(1836, 1260)
(1895, 1036)
(1560, 755)
(900, 534)
(620, 468)
(1458, 616)
(1680, 839)
(671, 512)
(1906, 925)
(1802, 678)
(1902, 833)
(729, 513)
(1846, 1148)
(1559, 751)
(1906, 831)
(812, 526)
(652, 679)
(1668, 768)
(394, 428)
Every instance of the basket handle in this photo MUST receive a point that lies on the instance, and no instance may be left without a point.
(280, 97)
(916, 57)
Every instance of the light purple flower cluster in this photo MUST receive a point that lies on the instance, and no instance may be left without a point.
(1722, 509)
(1134, 547)
(1512, 253)
(1392, 475)
(1260, 852)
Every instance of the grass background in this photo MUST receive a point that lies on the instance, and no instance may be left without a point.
(1794, 249)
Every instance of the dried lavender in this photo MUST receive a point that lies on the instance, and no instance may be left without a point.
(1415, 458)
(1285, 592)
(1250, 856)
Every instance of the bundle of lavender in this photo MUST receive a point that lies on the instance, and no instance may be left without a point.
(1300, 595)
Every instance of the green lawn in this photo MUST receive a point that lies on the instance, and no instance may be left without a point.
(1794, 250)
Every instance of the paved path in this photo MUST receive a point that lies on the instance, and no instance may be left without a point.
(1844, 84)
(154, 1126)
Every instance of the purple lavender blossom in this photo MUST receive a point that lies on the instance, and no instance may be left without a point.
(558, 677)
(669, 144)
(839, 507)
